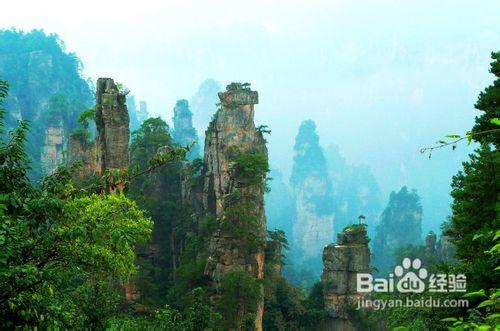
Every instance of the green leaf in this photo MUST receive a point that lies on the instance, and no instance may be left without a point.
(401, 328)
(495, 121)
(486, 303)
(493, 316)
(453, 136)
(497, 268)
(442, 142)
(483, 328)
(494, 249)
(469, 137)
(477, 236)
(497, 235)
(449, 319)
(476, 294)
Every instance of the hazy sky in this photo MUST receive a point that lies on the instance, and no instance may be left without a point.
(380, 78)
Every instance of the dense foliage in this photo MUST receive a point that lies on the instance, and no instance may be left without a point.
(476, 194)
(64, 252)
(69, 252)
(159, 194)
(47, 88)
(475, 220)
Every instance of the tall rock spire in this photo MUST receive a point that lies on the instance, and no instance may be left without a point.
(235, 169)
(313, 223)
(184, 133)
(112, 121)
(110, 149)
(341, 264)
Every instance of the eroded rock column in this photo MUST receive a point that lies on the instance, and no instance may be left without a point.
(112, 121)
(233, 196)
(110, 150)
(341, 264)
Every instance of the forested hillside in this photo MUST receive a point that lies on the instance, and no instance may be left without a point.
(46, 88)
(111, 219)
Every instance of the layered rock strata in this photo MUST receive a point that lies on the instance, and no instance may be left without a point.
(342, 262)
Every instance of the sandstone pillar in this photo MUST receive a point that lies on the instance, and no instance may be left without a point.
(231, 134)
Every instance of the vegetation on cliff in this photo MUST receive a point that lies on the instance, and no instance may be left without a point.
(400, 225)
(46, 87)
(64, 251)
(179, 243)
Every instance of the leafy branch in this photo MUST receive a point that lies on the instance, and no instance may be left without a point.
(115, 178)
(456, 138)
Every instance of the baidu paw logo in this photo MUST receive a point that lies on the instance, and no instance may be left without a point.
(411, 276)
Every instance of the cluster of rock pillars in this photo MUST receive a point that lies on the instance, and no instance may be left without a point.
(232, 127)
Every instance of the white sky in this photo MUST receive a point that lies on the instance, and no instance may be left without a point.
(380, 78)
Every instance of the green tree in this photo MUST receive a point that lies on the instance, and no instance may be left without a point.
(159, 194)
(476, 193)
(63, 252)
(240, 293)
(46, 87)
(488, 104)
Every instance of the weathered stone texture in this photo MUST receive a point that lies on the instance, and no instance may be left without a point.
(87, 153)
(341, 263)
(311, 230)
(53, 149)
(233, 129)
(110, 150)
(112, 121)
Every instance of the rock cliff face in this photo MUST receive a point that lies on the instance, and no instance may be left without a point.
(53, 148)
(86, 152)
(112, 121)
(313, 225)
(235, 200)
(184, 133)
(341, 262)
(110, 150)
(44, 82)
